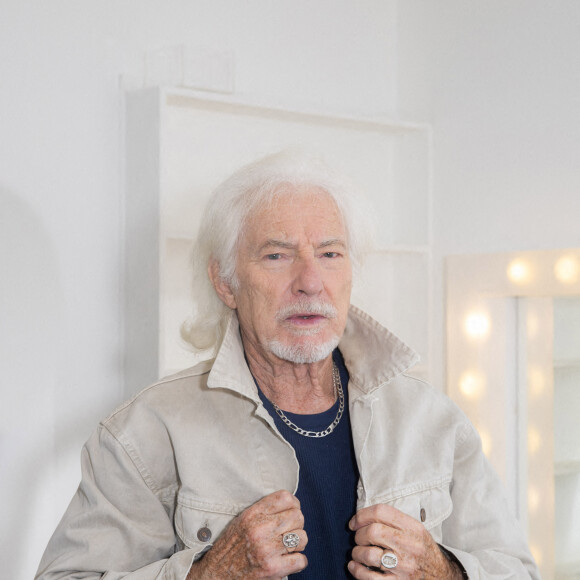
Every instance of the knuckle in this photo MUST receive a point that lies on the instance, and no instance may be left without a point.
(287, 498)
(299, 516)
(254, 535)
(270, 567)
(244, 517)
(250, 513)
(375, 530)
(382, 510)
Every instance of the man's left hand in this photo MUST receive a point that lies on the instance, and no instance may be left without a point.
(382, 529)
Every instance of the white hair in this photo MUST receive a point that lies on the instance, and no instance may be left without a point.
(248, 190)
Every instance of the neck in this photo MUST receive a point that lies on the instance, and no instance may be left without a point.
(296, 388)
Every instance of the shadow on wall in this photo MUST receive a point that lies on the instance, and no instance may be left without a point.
(31, 331)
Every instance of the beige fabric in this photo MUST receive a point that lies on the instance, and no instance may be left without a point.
(195, 449)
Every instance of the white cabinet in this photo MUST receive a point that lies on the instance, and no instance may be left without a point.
(180, 144)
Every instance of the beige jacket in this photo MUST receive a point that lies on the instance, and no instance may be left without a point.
(195, 449)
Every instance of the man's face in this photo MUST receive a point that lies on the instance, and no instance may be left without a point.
(294, 278)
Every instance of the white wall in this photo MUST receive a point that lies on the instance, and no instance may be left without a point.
(61, 198)
(499, 80)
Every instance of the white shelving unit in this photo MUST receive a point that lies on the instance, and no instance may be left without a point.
(181, 143)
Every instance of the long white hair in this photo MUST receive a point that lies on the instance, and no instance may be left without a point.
(244, 193)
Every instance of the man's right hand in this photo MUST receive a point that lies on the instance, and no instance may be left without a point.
(251, 546)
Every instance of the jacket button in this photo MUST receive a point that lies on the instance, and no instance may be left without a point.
(204, 534)
(423, 514)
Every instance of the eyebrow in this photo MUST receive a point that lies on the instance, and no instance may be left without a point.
(273, 243)
(333, 242)
(276, 244)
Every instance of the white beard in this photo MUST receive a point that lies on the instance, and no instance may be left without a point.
(308, 352)
(303, 353)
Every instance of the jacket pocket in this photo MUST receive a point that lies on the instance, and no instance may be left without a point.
(199, 524)
(428, 502)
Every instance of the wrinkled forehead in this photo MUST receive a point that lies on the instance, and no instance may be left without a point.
(290, 207)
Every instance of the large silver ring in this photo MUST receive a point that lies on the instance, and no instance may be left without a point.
(291, 540)
(389, 560)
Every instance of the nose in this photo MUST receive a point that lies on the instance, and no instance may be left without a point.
(307, 276)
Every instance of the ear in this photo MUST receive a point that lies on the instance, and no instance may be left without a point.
(222, 288)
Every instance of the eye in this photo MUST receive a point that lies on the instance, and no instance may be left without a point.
(276, 256)
(331, 254)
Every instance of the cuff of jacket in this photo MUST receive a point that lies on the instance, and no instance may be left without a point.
(453, 558)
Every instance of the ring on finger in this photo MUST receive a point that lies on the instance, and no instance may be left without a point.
(389, 560)
(291, 540)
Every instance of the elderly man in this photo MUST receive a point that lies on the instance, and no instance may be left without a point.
(300, 448)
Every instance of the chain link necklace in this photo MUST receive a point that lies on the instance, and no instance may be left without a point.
(337, 384)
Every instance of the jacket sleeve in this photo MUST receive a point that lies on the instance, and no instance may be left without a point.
(118, 525)
(481, 531)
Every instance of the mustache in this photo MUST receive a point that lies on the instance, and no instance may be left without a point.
(307, 307)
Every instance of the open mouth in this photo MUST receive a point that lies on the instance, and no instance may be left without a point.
(298, 318)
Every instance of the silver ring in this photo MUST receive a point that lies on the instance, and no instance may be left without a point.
(291, 540)
(389, 560)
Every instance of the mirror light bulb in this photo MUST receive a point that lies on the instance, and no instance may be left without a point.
(533, 499)
(536, 381)
(534, 440)
(536, 553)
(519, 272)
(567, 269)
(486, 445)
(477, 325)
(472, 384)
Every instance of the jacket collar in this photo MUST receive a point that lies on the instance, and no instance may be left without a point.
(372, 354)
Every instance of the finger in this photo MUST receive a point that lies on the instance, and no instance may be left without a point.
(292, 564)
(279, 511)
(277, 502)
(361, 572)
(302, 540)
(369, 556)
(379, 535)
(382, 513)
(283, 522)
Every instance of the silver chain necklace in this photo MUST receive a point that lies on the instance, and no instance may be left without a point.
(337, 384)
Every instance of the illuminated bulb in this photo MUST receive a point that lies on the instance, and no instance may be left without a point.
(536, 381)
(532, 326)
(536, 553)
(534, 440)
(477, 325)
(533, 499)
(567, 269)
(486, 445)
(472, 384)
(519, 272)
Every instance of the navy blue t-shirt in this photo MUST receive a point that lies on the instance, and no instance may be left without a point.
(327, 485)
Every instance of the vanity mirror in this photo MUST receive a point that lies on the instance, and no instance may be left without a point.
(513, 365)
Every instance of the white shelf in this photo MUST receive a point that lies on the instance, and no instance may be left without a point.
(181, 143)
(569, 571)
(177, 96)
(566, 409)
(565, 364)
(562, 468)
